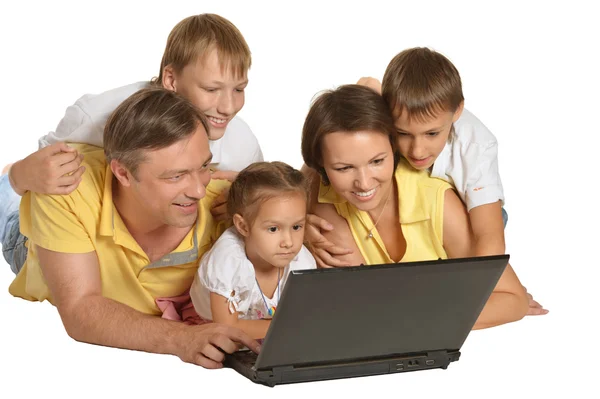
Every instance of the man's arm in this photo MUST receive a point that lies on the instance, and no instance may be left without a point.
(508, 302)
(75, 285)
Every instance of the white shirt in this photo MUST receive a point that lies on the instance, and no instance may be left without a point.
(84, 123)
(469, 162)
(225, 270)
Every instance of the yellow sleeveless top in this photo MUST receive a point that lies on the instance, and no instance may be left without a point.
(421, 210)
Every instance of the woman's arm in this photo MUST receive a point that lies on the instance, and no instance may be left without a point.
(340, 237)
(219, 307)
(326, 253)
(508, 302)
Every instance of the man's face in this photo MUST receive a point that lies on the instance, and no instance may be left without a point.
(170, 181)
(217, 92)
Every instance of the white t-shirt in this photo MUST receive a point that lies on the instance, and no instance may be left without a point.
(225, 270)
(469, 162)
(84, 123)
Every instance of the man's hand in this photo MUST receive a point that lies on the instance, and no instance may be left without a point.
(54, 169)
(219, 206)
(323, 249)
(535, 309)
(370, 82)
(207, 344)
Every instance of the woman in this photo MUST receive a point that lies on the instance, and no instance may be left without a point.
(381, 208)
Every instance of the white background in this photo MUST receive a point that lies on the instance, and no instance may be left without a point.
(530, 73)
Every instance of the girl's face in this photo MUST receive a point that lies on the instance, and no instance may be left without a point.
(277, 233)
(360, 166)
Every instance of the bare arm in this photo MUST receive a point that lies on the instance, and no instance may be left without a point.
(75, 285)
(340, 236)
(326, 253)
(219, 308)
(54, 169)
(488, 229)
(488, 234)
(508, 302)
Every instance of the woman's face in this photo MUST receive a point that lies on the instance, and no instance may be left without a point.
(360, 166)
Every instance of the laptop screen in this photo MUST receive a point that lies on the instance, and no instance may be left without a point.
(344, 314)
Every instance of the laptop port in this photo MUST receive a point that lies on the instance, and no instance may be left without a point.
(399, 366)
(413, 363)
(429, 362)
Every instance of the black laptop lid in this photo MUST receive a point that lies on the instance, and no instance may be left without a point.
(341, 314)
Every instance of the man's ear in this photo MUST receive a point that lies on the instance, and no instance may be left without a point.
(458, 111)
(169, 81)
(240, 224)
(123, 175)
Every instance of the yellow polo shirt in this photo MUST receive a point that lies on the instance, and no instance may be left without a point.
(421, 210)
(86, 220)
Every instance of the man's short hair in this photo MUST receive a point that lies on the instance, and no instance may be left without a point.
(151, 119)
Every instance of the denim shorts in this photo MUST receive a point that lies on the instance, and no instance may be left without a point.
(13, 242)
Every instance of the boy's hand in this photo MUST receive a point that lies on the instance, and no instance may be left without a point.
(54, 169)
(219, 206)
(323, 250)
(370, 82)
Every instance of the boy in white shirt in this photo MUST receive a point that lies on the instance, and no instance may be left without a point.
(424, 92)
(210, 73)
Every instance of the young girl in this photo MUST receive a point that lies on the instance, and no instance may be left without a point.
(240, 280)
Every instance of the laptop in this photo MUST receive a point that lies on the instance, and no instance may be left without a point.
(370, 320)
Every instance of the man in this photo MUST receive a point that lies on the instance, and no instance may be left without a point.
(132, 231)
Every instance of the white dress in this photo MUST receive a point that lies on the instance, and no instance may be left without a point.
(225, 270)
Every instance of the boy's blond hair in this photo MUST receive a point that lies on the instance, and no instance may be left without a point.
(422, 83)
(192, 39)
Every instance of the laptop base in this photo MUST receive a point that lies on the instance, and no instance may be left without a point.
(361, 368)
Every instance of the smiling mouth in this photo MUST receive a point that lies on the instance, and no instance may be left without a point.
(218, 121)
(364, 193)
(185, 205)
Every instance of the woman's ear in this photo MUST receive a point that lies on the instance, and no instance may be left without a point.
(240, 224)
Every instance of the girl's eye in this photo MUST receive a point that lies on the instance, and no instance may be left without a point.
(272, 229)
(297, 227)
(210, 89)
(433, 134)
(377, 161)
